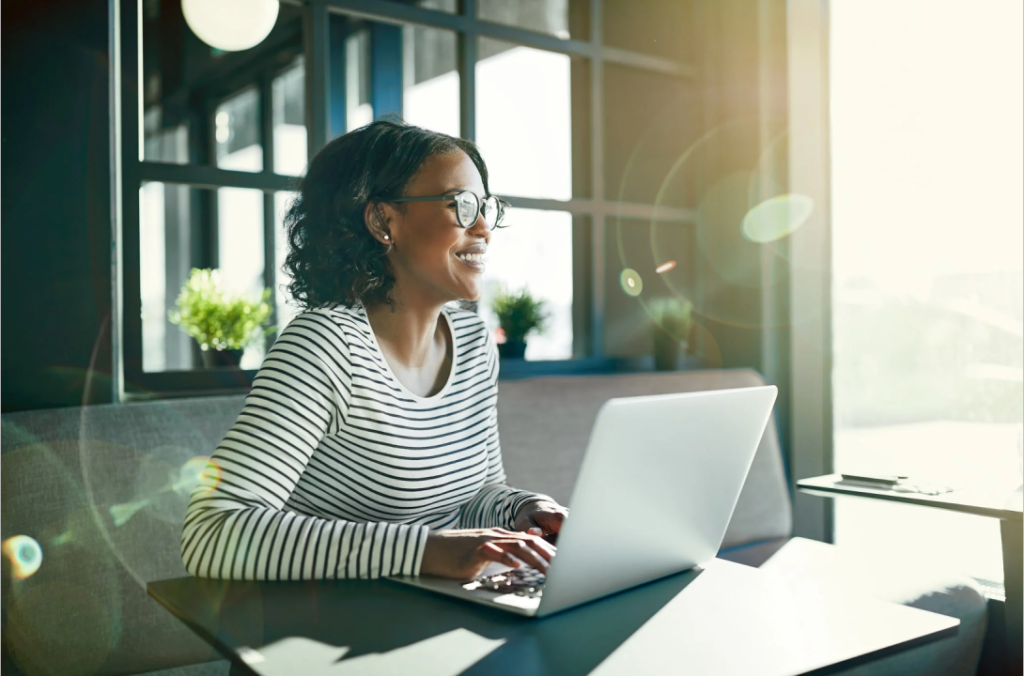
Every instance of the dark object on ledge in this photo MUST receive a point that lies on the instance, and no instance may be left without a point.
(667, 350)
(213, 359)
(512, 349)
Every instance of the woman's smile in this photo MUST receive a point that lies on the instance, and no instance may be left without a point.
(473, 257)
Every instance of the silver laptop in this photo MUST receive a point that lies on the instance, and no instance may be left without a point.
(657, 487)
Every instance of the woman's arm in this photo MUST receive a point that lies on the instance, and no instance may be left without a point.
(236, 526)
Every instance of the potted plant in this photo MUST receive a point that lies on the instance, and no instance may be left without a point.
(673, 320)
(518, 314)
(223, 323)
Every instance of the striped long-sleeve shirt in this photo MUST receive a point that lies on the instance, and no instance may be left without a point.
(334, 469)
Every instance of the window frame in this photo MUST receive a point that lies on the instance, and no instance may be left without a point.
(590, 214)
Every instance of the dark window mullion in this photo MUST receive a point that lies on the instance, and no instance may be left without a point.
(317, 59)
(269, 231)
(209, 222)
(596, 241)
(467, 55)
(129, 321)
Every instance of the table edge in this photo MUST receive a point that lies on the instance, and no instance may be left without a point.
(906, 498)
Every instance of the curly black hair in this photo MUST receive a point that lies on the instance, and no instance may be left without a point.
(333, 259)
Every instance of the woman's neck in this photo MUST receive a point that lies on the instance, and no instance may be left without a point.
(412, 335)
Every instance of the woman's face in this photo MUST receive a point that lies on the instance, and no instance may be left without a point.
(428, 240)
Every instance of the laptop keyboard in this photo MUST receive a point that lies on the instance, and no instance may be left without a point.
(523, 581)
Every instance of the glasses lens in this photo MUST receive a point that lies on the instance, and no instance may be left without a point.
(468, 208)
(492, 211)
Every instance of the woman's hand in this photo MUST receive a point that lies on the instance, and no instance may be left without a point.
(541, 517)
(463, 554)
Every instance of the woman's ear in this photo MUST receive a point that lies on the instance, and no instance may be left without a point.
(376, 220)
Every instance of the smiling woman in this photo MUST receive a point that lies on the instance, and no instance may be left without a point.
(368, 444)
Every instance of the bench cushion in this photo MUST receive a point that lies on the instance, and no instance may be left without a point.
(85, 610)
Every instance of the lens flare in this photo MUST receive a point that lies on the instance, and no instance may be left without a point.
(25, 555)
(777, 217)
(122, 513)
(665, 267)
(631, 282)
(198, 470)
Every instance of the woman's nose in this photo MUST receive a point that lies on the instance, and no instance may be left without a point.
(479, 227)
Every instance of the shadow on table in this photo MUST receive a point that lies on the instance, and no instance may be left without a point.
(374, 626)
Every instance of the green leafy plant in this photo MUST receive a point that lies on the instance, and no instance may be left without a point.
(673, 315)
(217, 318)
(518, 313)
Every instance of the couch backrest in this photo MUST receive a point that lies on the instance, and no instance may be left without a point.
(85, 610)
(545, 425)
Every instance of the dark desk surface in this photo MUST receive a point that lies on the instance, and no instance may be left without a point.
(726, 619)
(999, 504)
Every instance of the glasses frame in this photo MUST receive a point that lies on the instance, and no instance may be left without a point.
(480, 204)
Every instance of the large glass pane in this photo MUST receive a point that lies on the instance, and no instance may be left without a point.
(174, 239)
(928, 260)
(535, 253)
(410, 71)
(240, 239)
(430, 79)
(646, 261)
(359, 109)
(662, 28)
(651, 123)
(161, 143)
(524, 120)
(290, 121)
(561, 18)
(165, 242)
(237, 132)
(240, 246)
(184, 81)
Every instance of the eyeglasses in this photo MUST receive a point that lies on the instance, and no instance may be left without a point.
(469, 206)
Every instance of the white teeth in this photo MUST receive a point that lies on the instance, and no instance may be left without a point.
(471, 257)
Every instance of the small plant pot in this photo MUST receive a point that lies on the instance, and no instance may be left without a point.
(667, 350)
(512, 349)
(214, 359)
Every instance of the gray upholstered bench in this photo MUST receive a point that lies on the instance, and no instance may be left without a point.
(85, 611)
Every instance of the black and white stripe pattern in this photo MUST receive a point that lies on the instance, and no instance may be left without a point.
(334, 469)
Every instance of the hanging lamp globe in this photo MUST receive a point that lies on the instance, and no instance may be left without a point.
(231, 25)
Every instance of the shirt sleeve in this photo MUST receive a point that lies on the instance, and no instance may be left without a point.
(236, 525)
(497, 503)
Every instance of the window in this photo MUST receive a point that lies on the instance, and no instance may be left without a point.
(928, 264)
(210, 164)
(524, 119)
(289, 90)
(430, 79)
(534, 253)
(221, 135)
